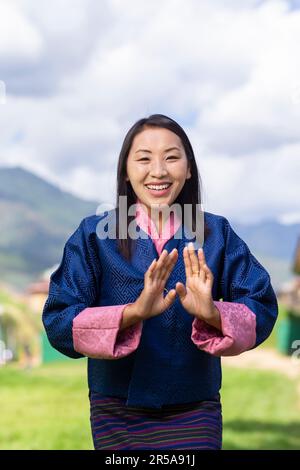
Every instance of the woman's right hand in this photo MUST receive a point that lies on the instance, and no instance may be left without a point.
(152, 301)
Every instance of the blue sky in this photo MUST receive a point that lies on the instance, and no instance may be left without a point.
(79, 73)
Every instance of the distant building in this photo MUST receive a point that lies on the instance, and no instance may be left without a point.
(19, 328)
(296, 265)
(37, 293)
(289, 300)
(289, 294)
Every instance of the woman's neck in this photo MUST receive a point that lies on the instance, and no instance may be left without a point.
(159, 218)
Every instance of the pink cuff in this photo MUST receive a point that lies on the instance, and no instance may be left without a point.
(238, 333)
(96, 333)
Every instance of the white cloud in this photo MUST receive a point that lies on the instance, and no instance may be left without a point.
(263, 112)
(20, 41)
(290, 218)
(260, 185)
(97, 184)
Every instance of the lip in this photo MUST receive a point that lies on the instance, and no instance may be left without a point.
(162, 192)
(158, 182)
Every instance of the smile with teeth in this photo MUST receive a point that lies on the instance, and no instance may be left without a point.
(158, 187)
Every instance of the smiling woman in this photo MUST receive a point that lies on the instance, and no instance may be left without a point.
(157, 168)
(156, 151)
(154, 316)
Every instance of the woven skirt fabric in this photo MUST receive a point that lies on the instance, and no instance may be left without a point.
(196, 425)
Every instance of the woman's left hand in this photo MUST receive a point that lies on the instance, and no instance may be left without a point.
(196, 296)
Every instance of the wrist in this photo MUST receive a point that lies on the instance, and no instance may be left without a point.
(138, 307)
(214, 318)
(135, 311)
(130, 316)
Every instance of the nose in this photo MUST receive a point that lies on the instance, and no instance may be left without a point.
(158, 169)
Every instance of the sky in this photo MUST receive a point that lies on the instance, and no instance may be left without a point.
(75, 75)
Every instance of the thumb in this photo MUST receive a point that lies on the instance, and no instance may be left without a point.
(181, 290)
(170, 297)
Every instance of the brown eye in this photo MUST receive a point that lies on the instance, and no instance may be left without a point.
(172, 156)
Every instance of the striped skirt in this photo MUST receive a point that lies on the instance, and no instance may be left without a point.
(196, 425)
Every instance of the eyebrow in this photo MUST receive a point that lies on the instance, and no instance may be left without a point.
(149, 151)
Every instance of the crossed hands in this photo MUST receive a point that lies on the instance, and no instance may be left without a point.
(195, 296)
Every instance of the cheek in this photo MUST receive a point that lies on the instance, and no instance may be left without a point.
(180, 171)
(135, 174)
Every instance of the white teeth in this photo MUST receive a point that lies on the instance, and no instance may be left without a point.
(157, 187)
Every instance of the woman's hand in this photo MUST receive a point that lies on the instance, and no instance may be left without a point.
(152, 301)
(196, 296)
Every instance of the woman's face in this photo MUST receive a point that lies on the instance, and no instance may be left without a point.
(157, 166)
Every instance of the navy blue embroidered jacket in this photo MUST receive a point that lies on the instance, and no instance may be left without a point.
(167, 367)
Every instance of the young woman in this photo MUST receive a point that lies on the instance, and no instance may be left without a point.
(152, 313)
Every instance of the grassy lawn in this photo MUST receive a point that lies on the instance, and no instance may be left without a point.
(261, 410)
(45, 408)
(48, 408)
(272, 340)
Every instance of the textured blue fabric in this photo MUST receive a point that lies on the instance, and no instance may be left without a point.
(167, 367)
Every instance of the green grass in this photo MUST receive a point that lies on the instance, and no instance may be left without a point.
(272, 340)
(261, 410)
(48, 408)
(45, 408)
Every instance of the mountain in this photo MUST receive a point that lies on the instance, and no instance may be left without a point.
(270, 238)
(273, 244)
(36, 220)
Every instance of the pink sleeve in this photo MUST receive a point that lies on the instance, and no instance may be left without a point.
(238, 331)
(96, 333)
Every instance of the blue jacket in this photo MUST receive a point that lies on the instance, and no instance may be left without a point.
(167, 367)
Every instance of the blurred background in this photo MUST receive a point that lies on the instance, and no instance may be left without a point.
(74, 77)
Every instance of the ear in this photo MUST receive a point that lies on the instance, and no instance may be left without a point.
(189, 174)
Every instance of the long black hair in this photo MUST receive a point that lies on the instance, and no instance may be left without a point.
(190, 193)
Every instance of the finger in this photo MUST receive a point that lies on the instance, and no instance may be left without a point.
(204, 267)
(151, 268)
(201, 259)
(187, 263)
(201, 256)
(193, 258)
(164, 264)
(160, 263)
(169, 264)
(170, 297)
(209, 274)
(181, 290)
